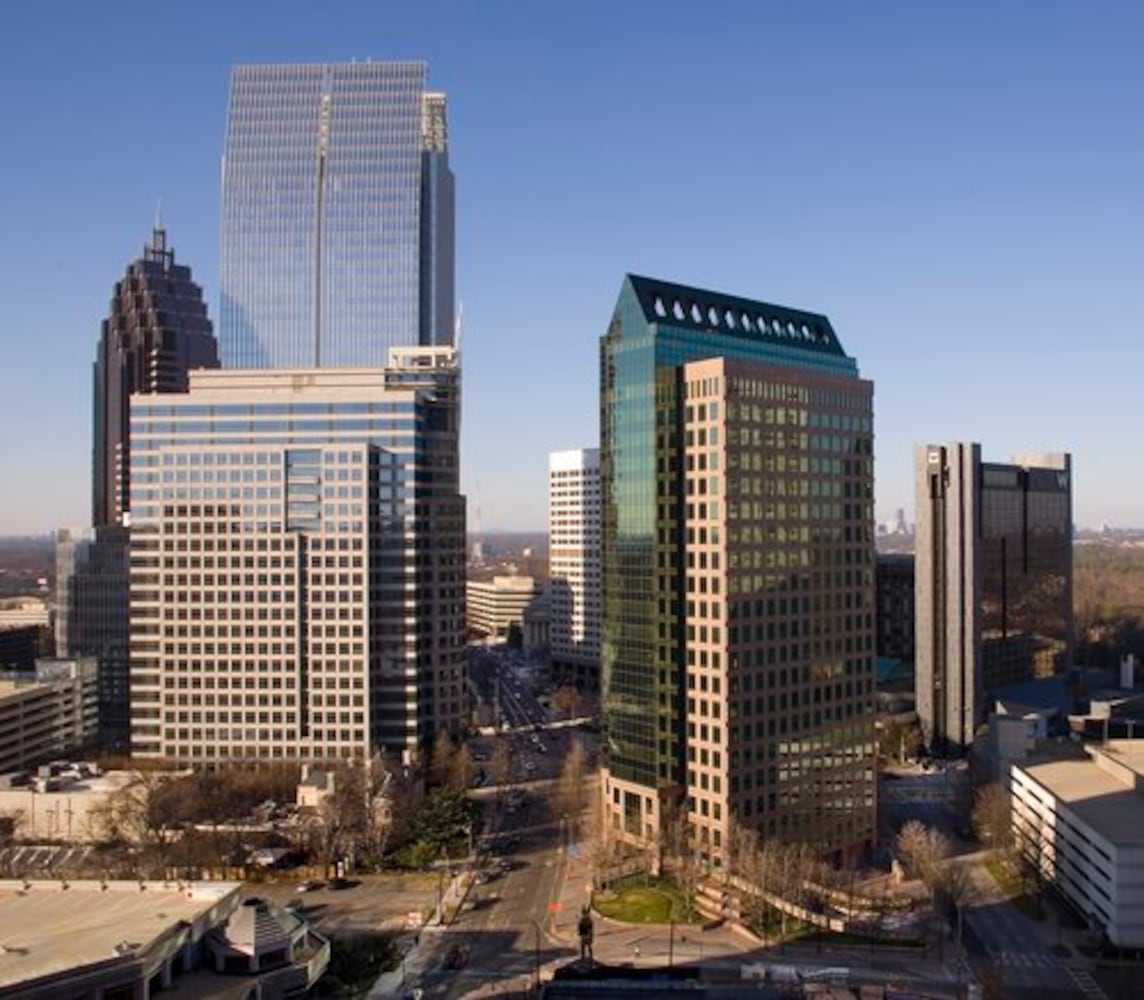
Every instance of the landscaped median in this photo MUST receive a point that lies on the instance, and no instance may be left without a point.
(642, 899)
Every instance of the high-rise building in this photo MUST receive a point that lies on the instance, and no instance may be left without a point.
(156, 332)
(736, 467)
(337, 216)
(297, 562)
(993, 578)
(574, 564)
(92, 618)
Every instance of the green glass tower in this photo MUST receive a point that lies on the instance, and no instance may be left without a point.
(738, 632)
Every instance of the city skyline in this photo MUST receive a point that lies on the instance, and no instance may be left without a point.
(956, 189)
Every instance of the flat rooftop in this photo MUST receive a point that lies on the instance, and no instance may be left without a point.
(46, 929)
(1107, 803)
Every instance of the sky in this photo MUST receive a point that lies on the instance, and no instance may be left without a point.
(959, 187)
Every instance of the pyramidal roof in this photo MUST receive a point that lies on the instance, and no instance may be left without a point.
(664, 302)
(257, 927)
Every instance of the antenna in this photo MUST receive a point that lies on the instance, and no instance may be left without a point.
(478, 543)
(457, 326)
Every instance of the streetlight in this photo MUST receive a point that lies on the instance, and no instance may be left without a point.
(536, 924)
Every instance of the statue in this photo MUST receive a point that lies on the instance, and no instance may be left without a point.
(584, 929)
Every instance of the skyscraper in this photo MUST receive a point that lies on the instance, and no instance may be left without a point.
(736, 468)
(157, 331)
(297, 563)
(337, 216)
(993, 578)
(574, 564)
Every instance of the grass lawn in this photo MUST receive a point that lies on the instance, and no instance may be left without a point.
(643, 901)
(1014, 889)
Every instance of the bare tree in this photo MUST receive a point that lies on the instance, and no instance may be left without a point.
(463, 770)
(340, 828)
(566, 699)
(568, 797)
(441, 760)
(501, 766)
(921, 851)
(992, 817)
(146, 814)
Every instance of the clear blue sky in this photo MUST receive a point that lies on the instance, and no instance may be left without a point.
(960, 187)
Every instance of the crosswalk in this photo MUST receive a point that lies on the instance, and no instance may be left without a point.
(1025, 960)
(1087, 985)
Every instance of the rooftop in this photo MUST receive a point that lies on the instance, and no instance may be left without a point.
(1106, 801)
(46, 928)
(699, 309)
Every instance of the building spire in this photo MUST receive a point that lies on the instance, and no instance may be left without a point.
(158, 248)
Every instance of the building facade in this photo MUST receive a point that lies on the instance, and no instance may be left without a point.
(156, 332)
(297, 563)
(494, 607)
(337, 216)
(894, 586)
(1081, 824)
(574, 565)
(47, 712)
(93, 596)
(993, 594)
(738, 580)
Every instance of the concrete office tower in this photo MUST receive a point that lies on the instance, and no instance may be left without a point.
(337, 216)
(574, 565)
(736, 468)
(993, 578)
(156, 332)
(92, 619)
(297, 563)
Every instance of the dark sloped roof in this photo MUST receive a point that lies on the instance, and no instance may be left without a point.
(699, 309)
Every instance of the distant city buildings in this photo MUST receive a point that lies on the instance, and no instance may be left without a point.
(297, 563)
(337, 216)
(738, 573)
(574, 565)
(493, 608)
(993, 581)
(156, 332)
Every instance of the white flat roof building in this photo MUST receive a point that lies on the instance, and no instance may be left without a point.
(1082, 821)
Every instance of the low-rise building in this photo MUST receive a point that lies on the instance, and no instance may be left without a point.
(1081, 822)
(493, 607)
(115, 940)
(48, 712)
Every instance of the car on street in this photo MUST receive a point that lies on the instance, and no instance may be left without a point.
(310, 885)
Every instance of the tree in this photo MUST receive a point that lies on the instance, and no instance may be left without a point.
(441, 760)
(992, 817)
(899, 741)
(568, 797)
(566, 700)
(462, 770)
(500, 766)
(145, 813)
(921, 851)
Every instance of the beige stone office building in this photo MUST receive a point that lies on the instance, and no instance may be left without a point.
(738, 589)
(297, 562)
(494, 606)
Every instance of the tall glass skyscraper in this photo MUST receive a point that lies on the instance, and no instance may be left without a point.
(337, 216)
